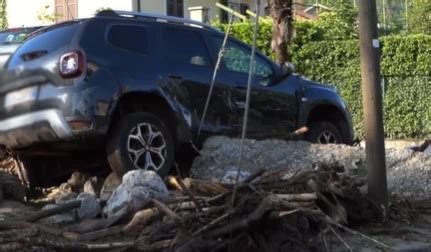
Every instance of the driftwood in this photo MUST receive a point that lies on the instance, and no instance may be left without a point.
(101, 233)
(96, 224)
(179, 182)
(267, 202)
(141, 218)
(165, 209)
(17, 234)
(53, 211)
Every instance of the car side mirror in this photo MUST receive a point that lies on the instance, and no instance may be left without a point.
(284, 70)
(288, 68)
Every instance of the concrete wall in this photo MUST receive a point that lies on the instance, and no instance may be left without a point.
(151, 6)
(24, 12)
(213, 11)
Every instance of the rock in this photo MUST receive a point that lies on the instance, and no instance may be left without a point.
(65, 198)
(93, 185)
(408, 172)
(77, 181)
(230, 177)
(63, 218)
(150, 179)
(110, 184)
(137, 189)
(90, 206)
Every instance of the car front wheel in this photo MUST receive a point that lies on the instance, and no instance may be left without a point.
(324, 133)
(140, 141)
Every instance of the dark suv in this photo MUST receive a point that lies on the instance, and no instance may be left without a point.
(11, 39)
(135, 85)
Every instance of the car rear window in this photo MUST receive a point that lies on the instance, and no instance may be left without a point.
(48, 40)
(129, 37)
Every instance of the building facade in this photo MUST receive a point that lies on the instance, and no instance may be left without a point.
(42, 12)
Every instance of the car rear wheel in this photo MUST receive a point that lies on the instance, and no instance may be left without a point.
(140, 141)
(324, 133)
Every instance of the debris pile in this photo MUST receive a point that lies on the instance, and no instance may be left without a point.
(291, 196)
(203, 215)
(408, 171)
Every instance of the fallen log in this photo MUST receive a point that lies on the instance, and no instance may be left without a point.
(53, 211)
(106, 232)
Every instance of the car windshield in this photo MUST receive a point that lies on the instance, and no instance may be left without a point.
(15, 35)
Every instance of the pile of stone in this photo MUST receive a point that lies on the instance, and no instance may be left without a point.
(408, 170)
(110, 197)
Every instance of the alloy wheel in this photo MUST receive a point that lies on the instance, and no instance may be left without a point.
(146, 146)
(327, 137)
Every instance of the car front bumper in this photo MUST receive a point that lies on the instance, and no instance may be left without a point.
(41, 126)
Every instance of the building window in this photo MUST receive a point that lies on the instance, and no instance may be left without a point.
(175, 8)
(66, 10)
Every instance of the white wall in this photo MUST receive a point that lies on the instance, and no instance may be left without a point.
(152, 6)
(87, 8)
(24, 12)
(213, 11)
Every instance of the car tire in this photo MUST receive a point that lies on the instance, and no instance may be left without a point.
(140, 141)
(324, 132)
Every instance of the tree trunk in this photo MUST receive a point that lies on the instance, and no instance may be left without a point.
(282, 16)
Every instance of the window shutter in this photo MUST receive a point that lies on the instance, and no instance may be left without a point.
(66, 10)
(72, 9)
(59, 10)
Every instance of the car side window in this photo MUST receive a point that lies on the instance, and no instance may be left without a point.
(128, 37)
(237, 59)
(185, 47)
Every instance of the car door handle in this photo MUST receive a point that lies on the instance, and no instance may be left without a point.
(241, 87)
(174, 76)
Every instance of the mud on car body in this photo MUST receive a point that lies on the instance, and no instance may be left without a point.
(135, 85)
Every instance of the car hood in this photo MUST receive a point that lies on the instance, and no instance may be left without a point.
(316, 85)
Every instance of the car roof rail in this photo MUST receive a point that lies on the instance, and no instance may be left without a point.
(155, 17)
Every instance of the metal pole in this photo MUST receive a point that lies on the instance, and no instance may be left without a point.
(406, 4)
(247, 101)
(372, 103)
(384, 15)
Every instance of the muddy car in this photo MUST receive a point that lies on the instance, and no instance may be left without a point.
(134, 86)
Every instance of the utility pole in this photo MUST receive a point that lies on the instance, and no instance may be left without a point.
(384, 15)
(406, 5)
(372, 103)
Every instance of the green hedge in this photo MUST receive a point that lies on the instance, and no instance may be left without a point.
(405, 66)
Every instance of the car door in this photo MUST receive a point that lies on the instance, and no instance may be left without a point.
(273, 107)
(189, 70)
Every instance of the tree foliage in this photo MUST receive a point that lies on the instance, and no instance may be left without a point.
(46, 15)
(3, 15)
(419, 18)
(340, 23)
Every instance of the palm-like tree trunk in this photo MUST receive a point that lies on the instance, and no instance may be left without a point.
(282, 16)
